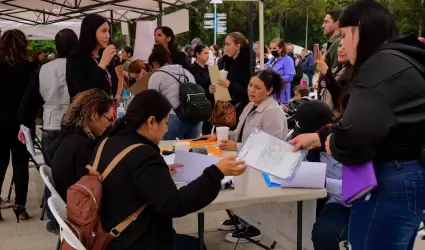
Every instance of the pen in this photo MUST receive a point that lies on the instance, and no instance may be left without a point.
(212, 130)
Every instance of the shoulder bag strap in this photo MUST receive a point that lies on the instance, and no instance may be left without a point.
(117, 159)
(412, 61)
(173, 76)
(93, 169)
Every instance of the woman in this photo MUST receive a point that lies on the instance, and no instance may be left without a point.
(165, 37)
(262, 112)
(383, 122)
(87, 118)
(48, 89)
(337, 85)
(136, 70)
(38, 58)
(163, 81)
(257, 51)
(199, 70)
(237, 63)
(282, 64)
(16, 72)
(145, 168)
(96, 64)
(215, 51)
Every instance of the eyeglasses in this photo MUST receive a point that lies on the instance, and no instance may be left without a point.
(110, 120)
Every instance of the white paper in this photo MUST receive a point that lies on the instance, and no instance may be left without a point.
(169, 159)
(271, 155)
(194, 165)
(309, 175)
(28, 138)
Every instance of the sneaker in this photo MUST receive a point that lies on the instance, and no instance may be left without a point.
(4, 204)
(52, 227)
(240, 237)
(228, 225)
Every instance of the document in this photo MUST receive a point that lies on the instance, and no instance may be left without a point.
(28, 138)
(221, 93)
(309, 175)
(140, 85)
(271, 155)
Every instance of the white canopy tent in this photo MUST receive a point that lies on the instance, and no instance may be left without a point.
(45, 12)
(41, 32)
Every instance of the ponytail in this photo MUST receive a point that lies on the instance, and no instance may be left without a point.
(272, 79)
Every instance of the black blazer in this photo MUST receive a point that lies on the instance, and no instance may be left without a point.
(143, 177)
(83, 73)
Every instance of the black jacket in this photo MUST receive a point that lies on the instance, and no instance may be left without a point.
(202, 77)
(239, 76)
(83, 73)
(385, 115)
(70, 154)
(143, 177)
(15, 80)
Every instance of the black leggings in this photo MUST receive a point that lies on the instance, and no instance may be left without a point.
(20, 156)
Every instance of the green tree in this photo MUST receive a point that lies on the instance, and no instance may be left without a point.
(42, 45)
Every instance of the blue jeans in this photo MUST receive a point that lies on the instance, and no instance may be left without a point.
(390, 218)
(186, 242)
(48, 137)
(182, 130)
(331, 227)
(310, 80)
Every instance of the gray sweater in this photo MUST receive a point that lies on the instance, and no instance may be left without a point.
(167, 85)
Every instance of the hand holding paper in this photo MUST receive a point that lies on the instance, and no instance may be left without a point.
(28, 140)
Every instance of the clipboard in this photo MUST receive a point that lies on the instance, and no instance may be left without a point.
(221, 93)
(140, 85)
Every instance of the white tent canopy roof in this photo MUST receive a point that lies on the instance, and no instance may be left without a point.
(34, 12)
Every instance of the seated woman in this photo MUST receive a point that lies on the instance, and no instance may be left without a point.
(130, 184)
(163, 80)
(262, 112)
(87, 118)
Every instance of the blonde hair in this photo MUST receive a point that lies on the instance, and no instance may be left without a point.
(238, 38)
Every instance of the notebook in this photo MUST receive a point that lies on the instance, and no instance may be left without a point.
(357, 181)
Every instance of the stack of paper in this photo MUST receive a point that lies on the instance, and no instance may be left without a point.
(271, 155)
(309, 175)
(28, 138)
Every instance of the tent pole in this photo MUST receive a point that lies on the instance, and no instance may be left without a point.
(251, 35)
(261, 28)
(112, 24)
(161, 12)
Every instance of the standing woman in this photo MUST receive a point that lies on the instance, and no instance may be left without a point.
(282, 64)
(95, 64)
(199, 70)
(16, 72)
(165, 36)
(383, 122)
(237, 63)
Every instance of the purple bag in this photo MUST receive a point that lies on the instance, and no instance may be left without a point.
(357, 181)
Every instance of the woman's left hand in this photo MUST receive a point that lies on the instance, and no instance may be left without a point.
(223, 82)
(228, 145)
(173, 167)
(327, 145)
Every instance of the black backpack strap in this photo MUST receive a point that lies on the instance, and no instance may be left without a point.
(173, 76)
(412, 61)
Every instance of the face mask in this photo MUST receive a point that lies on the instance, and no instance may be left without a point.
(275, 53)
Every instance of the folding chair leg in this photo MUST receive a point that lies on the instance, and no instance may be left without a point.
(43, 208)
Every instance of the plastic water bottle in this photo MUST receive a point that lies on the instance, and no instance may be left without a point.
(120, 111)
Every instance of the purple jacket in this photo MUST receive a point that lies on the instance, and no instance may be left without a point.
(286, 68)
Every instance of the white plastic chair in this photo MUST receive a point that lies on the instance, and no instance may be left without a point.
(59, 212)
(46, 175)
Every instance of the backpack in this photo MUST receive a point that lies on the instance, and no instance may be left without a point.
(84, 200)
(194, 105)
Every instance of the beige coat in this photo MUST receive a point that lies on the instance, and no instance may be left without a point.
(268, 116)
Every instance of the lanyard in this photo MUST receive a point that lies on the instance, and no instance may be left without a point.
(107, 75)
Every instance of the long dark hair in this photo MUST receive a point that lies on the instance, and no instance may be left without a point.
(144, 105)
(376, 26)
(172, 46)
(87, 42)
(272, 79)
(66, 42)
(13, 47)
(159, 55)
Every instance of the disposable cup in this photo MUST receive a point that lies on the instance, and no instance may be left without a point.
(182, 146)
(224, 73)
(222, 133)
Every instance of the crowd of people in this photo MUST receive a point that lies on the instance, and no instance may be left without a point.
(370, 107)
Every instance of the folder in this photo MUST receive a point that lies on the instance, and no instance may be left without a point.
(140, 85)
(221, 93)
(357, 181)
